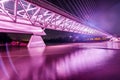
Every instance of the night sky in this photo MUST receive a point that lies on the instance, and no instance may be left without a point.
(103, 14)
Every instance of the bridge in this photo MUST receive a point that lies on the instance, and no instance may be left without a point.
(31, 17)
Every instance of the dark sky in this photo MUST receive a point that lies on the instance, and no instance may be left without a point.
(103, 14)
(108, 17)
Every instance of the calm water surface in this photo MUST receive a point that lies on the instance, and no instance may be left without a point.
(60, 62)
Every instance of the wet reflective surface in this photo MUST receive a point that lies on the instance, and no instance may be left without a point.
(60, 62)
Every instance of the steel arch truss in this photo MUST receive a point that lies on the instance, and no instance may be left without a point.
(23, 12)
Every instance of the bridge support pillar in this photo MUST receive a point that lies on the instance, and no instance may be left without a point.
(36, 41)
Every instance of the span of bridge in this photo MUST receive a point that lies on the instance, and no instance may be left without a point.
(31, 17)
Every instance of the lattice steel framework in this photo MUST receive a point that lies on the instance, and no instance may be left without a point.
(35, 17)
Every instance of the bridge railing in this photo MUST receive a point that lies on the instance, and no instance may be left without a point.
(23, 12)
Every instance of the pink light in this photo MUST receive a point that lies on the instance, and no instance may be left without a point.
(82, 60)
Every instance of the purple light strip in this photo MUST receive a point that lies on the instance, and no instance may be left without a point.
(3, 68)
(10, 60)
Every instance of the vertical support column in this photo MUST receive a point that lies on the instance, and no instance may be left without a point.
(36, 41)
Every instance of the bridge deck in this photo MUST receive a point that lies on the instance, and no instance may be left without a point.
(43, 15)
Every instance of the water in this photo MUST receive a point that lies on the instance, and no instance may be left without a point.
(60, 62)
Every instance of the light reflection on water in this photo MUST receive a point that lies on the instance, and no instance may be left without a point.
(108, 45)
(83, 60)
(50, 63)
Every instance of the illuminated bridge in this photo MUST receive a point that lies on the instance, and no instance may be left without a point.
(29, 17)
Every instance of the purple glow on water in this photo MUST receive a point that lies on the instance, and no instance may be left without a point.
(54, 62)
(82, 61)
(10, 60)
(3, 71)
